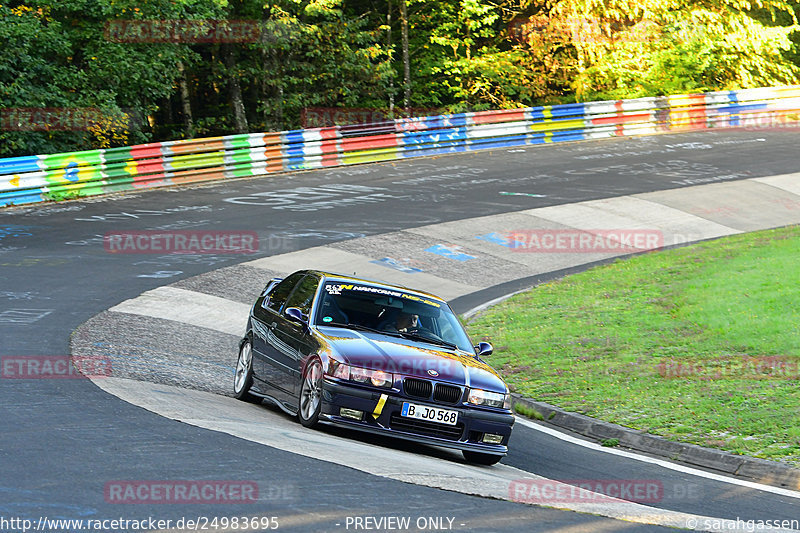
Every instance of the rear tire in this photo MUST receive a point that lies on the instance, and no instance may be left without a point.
(243, 378)
(310, 402)
(480, 458)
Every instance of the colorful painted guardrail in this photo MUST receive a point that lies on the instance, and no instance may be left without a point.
(76, 174)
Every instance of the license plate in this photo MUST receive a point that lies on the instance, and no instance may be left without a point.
(431, 414)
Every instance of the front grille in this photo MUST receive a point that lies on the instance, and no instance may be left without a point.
(447, 393)
(423, 427)
(418, 388)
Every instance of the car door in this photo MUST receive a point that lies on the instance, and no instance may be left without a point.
(266, 312)
(293, 343)
(258, 328)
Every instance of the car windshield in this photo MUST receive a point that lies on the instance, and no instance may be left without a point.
(390, 311)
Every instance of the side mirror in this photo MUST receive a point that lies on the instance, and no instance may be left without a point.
(484, 348)
(296, 315)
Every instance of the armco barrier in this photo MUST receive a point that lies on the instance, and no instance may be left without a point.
(70, 175)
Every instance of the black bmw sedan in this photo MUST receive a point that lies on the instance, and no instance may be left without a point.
(374, 357)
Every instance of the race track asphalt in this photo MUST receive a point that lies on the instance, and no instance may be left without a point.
(63, 440)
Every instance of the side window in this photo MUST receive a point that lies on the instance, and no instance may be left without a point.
(303, 295)
(280, 293)
(264, 298)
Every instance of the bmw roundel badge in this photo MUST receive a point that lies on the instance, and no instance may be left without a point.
(433, 373)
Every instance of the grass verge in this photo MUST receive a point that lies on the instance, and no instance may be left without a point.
(699, 344)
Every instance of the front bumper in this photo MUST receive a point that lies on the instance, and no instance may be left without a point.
(472, 424)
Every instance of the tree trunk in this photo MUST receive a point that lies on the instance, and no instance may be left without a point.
(264, 89)
(279, 91)
(235, 90)
(186, 103)
(406, 65)
(391, 59)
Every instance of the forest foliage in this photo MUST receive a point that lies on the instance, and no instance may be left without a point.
(232, 66)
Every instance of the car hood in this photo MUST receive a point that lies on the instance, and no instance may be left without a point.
(410, 358)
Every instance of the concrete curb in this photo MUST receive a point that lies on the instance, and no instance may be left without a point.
(750, 468)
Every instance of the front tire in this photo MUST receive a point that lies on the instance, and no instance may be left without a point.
(479, 458)
(310, 402)
(243, 378)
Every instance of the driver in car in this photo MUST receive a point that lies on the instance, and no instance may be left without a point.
(406, 322)
(403, 323)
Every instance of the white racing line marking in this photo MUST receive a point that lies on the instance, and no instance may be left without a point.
(660, 462)
(484, 306)
(631, 455)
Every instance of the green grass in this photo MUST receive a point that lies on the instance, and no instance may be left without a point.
(699, 344)
(530, 412)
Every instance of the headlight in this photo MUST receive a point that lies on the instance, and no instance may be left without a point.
(378, 378)
(360, 375)
(490, 399)
(339, 370)
(381, 379)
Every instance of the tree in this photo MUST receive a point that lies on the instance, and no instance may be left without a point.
(83, 58)
(64, 59)
(624, 49)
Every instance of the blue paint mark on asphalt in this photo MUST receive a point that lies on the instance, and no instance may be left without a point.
(397, 265)
(499, 238)
(15, 230)
(32, 504)
(504, 193)
(450, 251)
